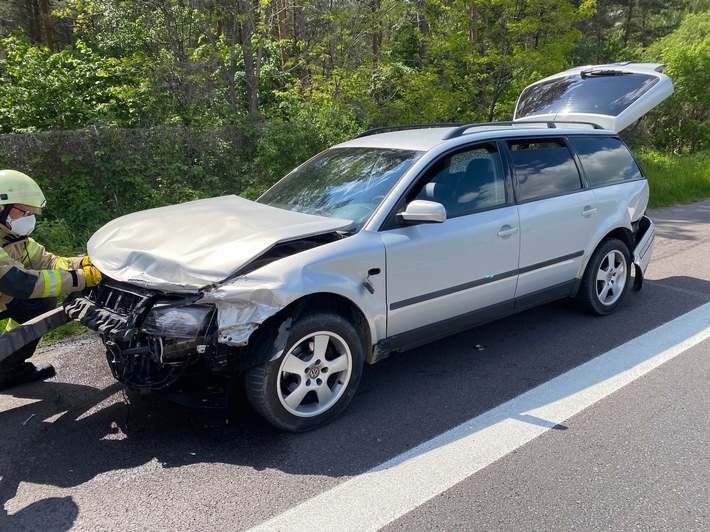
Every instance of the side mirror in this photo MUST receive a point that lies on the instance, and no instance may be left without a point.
(424, 211)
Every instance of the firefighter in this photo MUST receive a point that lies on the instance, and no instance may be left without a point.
(31, 278)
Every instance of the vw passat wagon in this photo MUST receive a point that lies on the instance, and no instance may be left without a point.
(382, 243)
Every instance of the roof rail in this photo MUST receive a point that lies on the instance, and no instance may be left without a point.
(384, 129)
(461, 130)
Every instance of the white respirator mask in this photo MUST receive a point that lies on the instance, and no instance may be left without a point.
(22, 226)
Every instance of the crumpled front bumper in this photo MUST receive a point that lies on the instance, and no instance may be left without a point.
(118, 320)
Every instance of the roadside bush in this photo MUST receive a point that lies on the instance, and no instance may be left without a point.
(92, 176)
(284, 143)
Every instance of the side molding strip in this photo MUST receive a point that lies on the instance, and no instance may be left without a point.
(479, 282)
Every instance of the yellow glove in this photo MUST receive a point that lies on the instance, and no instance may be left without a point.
(92, 275)
(86, 261)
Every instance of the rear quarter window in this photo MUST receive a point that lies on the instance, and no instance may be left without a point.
(606, 160)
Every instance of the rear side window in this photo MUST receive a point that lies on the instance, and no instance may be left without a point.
(543, 168)
(606, 160)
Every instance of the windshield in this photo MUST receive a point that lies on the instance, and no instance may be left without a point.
(346, 183)
(605, 92)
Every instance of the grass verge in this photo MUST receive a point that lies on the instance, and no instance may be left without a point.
(675, 180)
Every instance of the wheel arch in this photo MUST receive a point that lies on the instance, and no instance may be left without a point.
(623, 234)
(275, 329)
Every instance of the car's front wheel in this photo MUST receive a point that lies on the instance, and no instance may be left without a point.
(606, 279)
(315, 376)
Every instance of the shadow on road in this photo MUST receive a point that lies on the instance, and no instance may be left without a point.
(680, 223)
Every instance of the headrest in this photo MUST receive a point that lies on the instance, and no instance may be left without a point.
(479, 167)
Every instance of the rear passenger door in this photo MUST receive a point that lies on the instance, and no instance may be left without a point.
(558, 218)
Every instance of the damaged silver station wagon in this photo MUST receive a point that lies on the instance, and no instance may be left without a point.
(393, 239)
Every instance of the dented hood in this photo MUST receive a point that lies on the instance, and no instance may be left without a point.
(185, 247)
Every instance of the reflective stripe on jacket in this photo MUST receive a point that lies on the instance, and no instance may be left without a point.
(28, 271)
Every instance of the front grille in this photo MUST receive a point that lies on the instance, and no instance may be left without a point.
(116, 299)
(112, 308)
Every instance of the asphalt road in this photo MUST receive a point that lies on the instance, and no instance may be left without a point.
(77, 453)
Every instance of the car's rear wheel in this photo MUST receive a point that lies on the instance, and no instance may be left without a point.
(606, 279)
(315, 376)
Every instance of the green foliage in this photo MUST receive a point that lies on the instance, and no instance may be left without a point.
(675, 180)
(61, 238)
(203, 64)
(619, 30)
(437, 61)
(92, 176)
(681, 123)
(282, 145)
(42, 90)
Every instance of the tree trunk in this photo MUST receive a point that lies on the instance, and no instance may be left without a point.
(33, 20)
(299, 35)
(283, 32)
(423, 29)
(299, 21)
(473, 27)
(629, 18)
(375, 30)
(47, 25)
(245, 31)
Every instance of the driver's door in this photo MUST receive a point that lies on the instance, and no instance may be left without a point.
(467, 264)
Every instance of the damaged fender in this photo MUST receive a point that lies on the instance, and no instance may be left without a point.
(242, 306)
(246, 302)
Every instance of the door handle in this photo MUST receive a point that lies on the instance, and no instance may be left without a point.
(588, 211)
(507, 231)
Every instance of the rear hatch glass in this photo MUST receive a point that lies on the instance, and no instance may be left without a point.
(614, 97)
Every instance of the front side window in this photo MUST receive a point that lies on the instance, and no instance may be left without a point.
(466, 181)
(606, 160)
(543, 168)
(347, 183)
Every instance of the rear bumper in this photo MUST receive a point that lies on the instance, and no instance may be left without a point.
(645, 238)
(643, 249)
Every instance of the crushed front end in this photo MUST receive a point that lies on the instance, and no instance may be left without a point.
(152, 338)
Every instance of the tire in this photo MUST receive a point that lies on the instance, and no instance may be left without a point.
(606, 279)
(314, 378)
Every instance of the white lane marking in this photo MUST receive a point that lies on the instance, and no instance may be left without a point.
(394, 488)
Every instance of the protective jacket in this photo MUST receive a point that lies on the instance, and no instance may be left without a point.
(28, 271)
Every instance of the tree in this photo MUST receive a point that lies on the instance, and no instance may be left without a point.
(681, 123)
(38, 20)
(480, 54)
(210, 58)
(65, 90)
(213, 62)
(620, 29)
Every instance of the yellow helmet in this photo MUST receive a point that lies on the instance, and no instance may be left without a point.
(16, 187)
